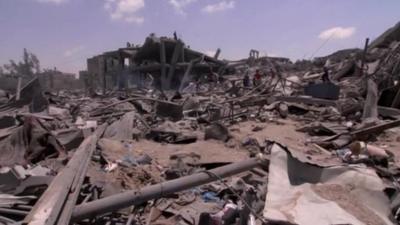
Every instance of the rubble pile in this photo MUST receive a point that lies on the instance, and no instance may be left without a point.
(206, 141)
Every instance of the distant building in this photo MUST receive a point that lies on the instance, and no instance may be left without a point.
(166, 60)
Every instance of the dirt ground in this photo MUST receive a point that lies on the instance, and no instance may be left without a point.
(390, 140)
(282, 131)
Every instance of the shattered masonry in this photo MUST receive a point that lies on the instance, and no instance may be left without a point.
(163, 134)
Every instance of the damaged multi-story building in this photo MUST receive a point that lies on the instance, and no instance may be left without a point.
(166, 62)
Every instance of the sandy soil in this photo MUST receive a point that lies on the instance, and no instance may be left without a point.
(343, 197)
(213, 151)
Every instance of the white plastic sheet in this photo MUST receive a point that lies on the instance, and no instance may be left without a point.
(302, 193)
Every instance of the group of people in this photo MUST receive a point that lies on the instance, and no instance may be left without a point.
(256, 79)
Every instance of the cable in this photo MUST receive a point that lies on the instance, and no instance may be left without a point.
(321, 46)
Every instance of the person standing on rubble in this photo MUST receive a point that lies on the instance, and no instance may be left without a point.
(271, 77)
(257, 78)
(246, 80)
(325, 75)
(212, 79)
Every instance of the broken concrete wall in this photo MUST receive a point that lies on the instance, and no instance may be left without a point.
(61, 82)
(163, 59)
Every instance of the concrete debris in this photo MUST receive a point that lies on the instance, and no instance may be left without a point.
(30, 95)
(216, 131)
(29, 143)
(121, 129)
(164, 134)
(283, 110)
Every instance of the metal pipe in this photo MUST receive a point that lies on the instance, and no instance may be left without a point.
(7, 220)
(137, 197)
(13, 212)
(363, 74)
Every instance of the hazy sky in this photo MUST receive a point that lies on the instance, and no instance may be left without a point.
(63, 33)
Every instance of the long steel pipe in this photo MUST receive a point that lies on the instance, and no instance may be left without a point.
(137, 197)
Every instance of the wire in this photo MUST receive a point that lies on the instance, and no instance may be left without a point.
(321, 46)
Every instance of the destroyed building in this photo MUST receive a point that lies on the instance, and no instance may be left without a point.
(261, 140)
(53, 80)
(165, 61)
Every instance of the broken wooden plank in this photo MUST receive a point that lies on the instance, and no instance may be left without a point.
(375, 129)
(389, 112)
(304, 100)
(69, 206)
(51, 204)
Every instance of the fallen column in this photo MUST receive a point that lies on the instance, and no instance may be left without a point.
(137, 197)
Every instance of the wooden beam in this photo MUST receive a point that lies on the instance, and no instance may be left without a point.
(65, 187)
(69, 205)
(375, 129)
(305, 100)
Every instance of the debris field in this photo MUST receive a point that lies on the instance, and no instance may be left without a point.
(165, 135)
